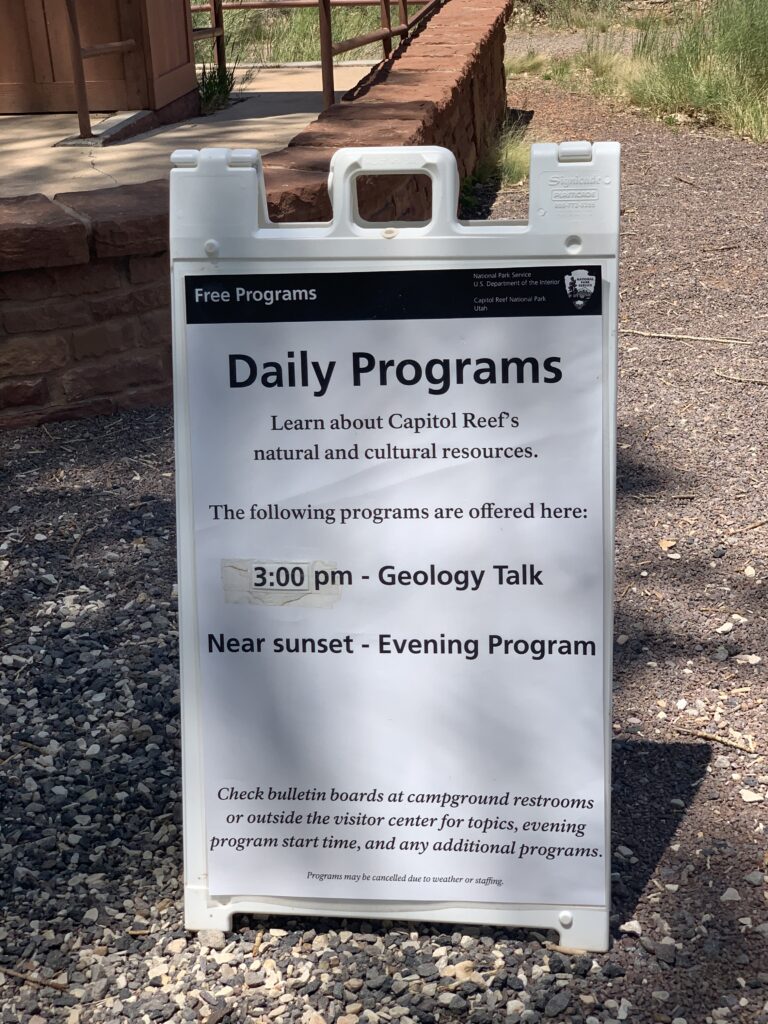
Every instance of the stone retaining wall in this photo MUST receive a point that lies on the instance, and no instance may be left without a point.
(84, 297)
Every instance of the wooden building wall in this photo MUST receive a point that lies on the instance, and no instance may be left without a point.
(35, 65)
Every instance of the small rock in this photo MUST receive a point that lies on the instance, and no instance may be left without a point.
(212, 937)
(557, 1004)
(730, 896)
(99, 989)
(755, 878)
(749, 796)
(665, 952)
(632, 927)
(452, 1001)
(748, 659)
(660, 996)
(463, 971)
(582, 966)
(721, 761)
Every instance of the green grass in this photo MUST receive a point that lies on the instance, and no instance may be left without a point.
(285, 37)
(530, 64)
(215, 87)
(509, 161)
(706, 66)
(713, 68)
(599, 66)
(597, 15)
(506, 166)
(513, 157)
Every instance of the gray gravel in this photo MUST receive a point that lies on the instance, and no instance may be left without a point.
(91, 844)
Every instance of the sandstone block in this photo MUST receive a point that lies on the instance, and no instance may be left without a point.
(296, 195)
(107, 377)
(314, 158)
(124, 221)
(368, 107)
(32, 285)
(142, 398)
(148, 269)
(329, 135)
(32, 354)
(76, 410)
(104, 338)
(53, 315)
(35, 232)
(97, 276)
(131, 300)
(24, 391)
(156, 327)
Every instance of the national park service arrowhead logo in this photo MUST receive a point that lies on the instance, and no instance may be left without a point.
(580, 285)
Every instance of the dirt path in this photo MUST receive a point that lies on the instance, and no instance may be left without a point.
(690, 620)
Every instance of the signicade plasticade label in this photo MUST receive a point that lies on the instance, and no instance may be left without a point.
(399, 579)
(394, 295)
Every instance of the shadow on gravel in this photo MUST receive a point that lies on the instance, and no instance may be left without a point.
(635, 477)
(673, 610)
(646, 778)
(91, 443)
(93, 826)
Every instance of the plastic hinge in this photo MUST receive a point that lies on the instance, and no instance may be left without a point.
(574, 152)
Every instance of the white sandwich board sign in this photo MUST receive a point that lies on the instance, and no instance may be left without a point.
(395, 459)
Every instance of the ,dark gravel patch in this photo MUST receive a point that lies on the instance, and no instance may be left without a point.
(91, 845)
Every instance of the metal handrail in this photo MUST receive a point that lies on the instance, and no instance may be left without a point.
(328, 49)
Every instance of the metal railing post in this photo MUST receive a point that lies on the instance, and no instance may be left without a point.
(328, 49)
(217, 16)
(326, 52)
(78, 74)
(402, 8)
(386, 22)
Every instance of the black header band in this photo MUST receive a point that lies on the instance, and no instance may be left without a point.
(570, 290)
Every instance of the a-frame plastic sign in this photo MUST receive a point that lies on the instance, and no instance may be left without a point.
(395, 460)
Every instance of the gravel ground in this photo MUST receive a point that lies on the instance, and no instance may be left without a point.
(91, 844)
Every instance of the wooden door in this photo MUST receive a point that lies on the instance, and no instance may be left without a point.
(35, 65)
(170, 56)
